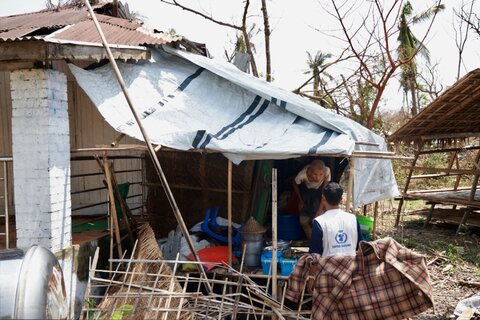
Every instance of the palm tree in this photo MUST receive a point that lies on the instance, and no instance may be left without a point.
(314, 66)
(409, 46)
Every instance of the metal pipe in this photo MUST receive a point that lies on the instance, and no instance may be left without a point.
(151, 151)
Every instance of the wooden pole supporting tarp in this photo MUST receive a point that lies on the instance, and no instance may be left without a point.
(274, 234)
(351, 171)
(229, 205)
(151, 151)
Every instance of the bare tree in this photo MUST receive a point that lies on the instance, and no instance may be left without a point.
(370, 44)
(461, 27)
(243, 28)
(266, 30)
(472, 19)
(428, 86)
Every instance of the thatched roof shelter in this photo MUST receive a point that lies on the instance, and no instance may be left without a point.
(450, 125)
(454, 115)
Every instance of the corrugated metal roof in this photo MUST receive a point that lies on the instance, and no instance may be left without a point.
(43, 19)
(85, 31)
(76, 25)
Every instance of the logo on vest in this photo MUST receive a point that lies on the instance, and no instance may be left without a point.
(341, 237)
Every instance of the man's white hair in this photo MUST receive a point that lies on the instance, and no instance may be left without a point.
(317, 164)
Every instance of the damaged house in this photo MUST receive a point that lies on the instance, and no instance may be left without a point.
(62, 110)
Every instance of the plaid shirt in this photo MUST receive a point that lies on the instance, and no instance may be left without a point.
(383, 281)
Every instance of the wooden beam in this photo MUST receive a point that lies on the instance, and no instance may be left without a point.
(39, 50)
(450, 150)
(445, 170)
(435, 175)
(448, 135)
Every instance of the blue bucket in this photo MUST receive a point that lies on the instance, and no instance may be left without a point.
(289, 227)
(266, 260)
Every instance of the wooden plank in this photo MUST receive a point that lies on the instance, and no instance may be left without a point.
(435, 175)
(445, 170)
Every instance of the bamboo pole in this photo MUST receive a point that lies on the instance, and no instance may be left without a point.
(113, 212)
(274, 234)
(351, 171)
(375, 217)
(151, 151)
(229, 205)
(5, 189)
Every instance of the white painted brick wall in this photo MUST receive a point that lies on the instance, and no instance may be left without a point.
(41, 158)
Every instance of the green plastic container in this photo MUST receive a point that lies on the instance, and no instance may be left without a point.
(366, 226)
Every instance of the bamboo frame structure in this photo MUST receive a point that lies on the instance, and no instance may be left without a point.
(139, 292)
(463, 197)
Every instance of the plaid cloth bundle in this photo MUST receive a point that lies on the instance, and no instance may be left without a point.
(383, 281)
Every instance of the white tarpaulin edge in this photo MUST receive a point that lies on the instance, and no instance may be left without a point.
(185, 103)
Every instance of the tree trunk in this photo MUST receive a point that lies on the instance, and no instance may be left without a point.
(375, 104)
(413, 93)
(266, 26)
(316, 86)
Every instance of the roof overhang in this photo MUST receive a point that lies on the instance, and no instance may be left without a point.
(31, 50)
(454, 115)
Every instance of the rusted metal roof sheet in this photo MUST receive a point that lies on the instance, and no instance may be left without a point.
(85, 31)
(75, 25)
(41, 19)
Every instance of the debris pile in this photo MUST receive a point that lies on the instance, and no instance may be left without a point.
(145, 287)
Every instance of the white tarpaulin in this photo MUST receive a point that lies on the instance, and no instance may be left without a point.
(188, 101)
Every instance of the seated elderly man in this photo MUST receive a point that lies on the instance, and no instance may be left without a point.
(308, 186)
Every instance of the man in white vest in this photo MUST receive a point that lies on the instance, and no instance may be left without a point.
(335, 232)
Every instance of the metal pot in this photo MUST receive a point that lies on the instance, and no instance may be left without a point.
(253, 244)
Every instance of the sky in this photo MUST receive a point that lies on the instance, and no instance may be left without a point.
(295, 30)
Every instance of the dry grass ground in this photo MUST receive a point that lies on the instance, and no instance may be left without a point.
(453, 260)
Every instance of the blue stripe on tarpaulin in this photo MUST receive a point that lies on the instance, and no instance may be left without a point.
(161, 103)
(231, 130)
(245, 118)
(282, 104)
(250, 109)
(189, 79)
(324, 140)
(198, 138)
